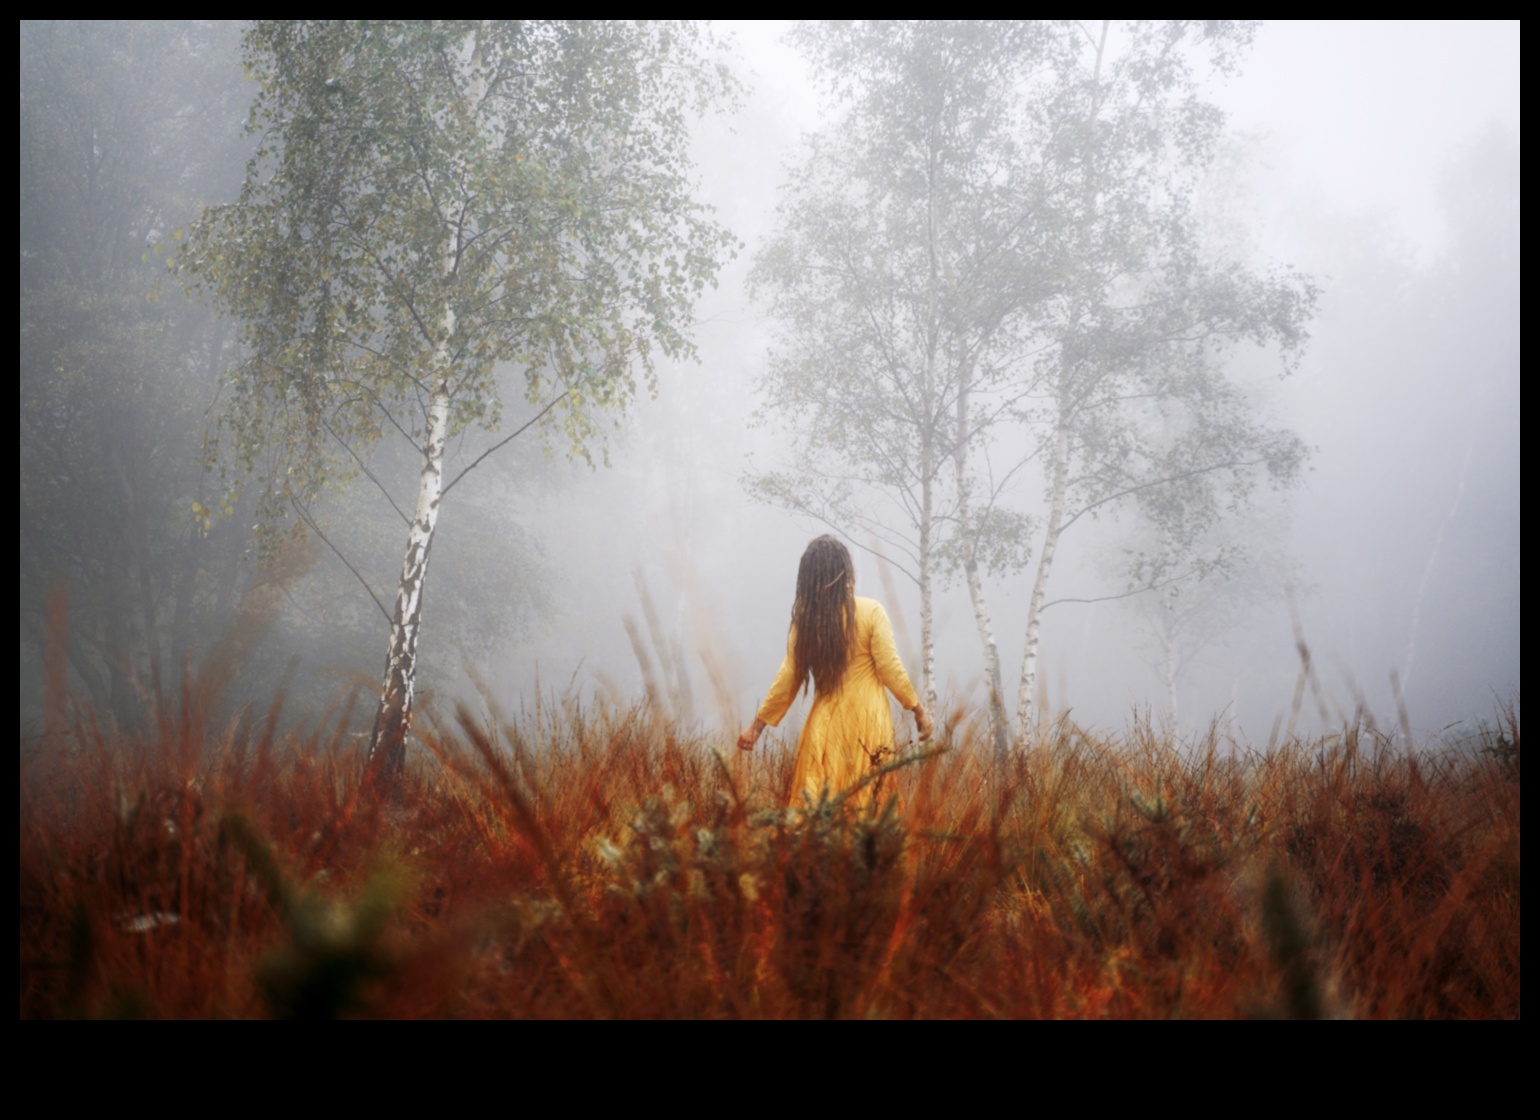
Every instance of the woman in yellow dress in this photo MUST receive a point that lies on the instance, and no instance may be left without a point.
(845, 645)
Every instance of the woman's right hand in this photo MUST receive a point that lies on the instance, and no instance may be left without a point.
(923, 722)
(750, 735)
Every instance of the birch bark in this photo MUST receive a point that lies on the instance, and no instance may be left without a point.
(968, 529)
(1026, 716)
(927, 614)
(387, 746)
(928, 443)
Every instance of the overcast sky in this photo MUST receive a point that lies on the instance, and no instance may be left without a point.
(1366, 111)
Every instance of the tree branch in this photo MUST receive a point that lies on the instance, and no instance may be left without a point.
(507, 439)
(316, 529)
(405, 520)
(1229, 464)
(1153, 585)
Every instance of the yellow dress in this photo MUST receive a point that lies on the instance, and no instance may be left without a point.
(849, 730)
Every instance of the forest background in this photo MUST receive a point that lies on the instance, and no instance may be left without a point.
(1383, 160)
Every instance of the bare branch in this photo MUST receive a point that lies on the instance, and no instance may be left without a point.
(316, 529)
(507, 439)
(405, 520)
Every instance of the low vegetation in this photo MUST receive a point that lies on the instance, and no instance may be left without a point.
(582, 862)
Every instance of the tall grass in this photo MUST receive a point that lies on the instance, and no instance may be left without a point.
(605, 863)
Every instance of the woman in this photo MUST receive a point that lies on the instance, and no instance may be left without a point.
(845, 644)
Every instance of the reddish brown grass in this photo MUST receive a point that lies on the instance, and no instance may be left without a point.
(604, 864)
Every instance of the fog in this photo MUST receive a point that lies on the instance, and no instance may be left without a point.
(1380, 160)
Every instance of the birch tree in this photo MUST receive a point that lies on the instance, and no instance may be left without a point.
(896, 276)
(1131, 398)
(1199, 593)
(434, 202)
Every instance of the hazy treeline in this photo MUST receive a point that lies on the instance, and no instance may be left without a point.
(1400, 544)
(127, 130)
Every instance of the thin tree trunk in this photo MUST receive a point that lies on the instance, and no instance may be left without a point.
(998, 725)
(387, 746)
(1025, 696)
(998, 721)
(1171, 685)
(135, 523)
(1167, 635)
(928, 463)
(927, 618)
(181, 605)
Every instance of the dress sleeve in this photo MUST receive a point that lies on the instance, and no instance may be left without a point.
(890, 670)
(783, 691)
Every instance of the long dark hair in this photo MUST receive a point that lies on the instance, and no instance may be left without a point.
(824, 615)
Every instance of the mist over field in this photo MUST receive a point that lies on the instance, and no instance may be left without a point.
(1379, 161)
(1161, 378)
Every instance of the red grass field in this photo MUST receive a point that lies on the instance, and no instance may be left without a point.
(604, 865)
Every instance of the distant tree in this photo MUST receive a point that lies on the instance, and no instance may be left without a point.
(897, 274)
(1130, 396)
(1195, 595)
(433, 200)
(1469, 319)
(991, 266)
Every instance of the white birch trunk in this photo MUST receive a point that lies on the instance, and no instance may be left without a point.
(1171, 686)
(998, 723)
(927, 627)
(387, 747)
(998, 730)
(928, 463)
(1026, 716)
